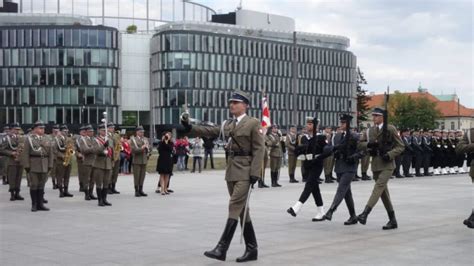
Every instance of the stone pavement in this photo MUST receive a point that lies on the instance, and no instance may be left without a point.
(176, 229)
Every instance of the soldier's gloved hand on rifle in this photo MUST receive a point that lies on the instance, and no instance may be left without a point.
(386, 157)
(372, 145)
(253, 179)
(185, 121)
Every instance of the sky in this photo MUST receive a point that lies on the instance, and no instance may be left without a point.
(398, 43)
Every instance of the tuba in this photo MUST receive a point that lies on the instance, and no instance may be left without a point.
(69, 151)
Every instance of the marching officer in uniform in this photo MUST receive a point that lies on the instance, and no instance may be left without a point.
(141, 151)
(275, 155)
(347, 156)
(116, 145)
(3, 159)
(55, 133)
(290, 143)
(102, 165)
(86, 149)
(244, 168)
(63, 171)
(38, 161)
(466, 146)
(383, 146)
(12, 149)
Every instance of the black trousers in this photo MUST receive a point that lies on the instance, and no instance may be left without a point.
(311, 186)
(210, 153)
(305, 166)
(344, 192)
(406, 162)
(417, 162)
(426, 162)
(398, 165)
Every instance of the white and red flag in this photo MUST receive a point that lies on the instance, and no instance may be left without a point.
(265, 113)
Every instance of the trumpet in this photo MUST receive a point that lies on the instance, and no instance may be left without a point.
(69, 152)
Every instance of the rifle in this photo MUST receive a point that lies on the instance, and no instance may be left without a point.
(386, 143)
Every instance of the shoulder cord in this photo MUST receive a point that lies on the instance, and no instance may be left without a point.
(32, 146)
(10, 144)
(59, 145)
(135, 142)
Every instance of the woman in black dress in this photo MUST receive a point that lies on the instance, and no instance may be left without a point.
(164, 165)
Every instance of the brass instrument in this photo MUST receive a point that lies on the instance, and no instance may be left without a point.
(19, 148)
(147, 144)
(69, 151)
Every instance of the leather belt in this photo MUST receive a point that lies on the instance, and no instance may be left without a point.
(240, 153)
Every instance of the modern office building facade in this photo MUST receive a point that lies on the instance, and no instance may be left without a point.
(195, 66)
(65, 73)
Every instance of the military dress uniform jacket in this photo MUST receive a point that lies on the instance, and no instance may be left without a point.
(86, 146)
(59, 147)
(246, 139)
(10, 145)
(273, 142)
(290, 143)
(38, 154)
(140, 156)
(466, 145)
(374, 134)
(341, 165)
(102, 160)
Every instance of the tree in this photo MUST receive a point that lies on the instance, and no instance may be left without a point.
(407, 112)
(362, 99)
(132, 29)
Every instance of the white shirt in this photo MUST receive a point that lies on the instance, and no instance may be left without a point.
(380, 126)
(240, 118)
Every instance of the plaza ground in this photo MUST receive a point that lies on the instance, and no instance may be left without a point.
(177, 229)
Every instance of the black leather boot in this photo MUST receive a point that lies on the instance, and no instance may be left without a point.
(12, 195)
(137, 192)
(260, 183)
(86, 194)
(66, 193)
(251, 248)
(104, 197)
(99, 197)
(4, 180)
(352, 220)
(91, 193)
(55, 185)
(109, 189)
(17, 195)
(293, 180)
(328, 214)
(44, 200)
(365, 176)
(328, 179)
(143, 194)
(81, 187)
(61, 192)
(39, 200)
(114, 190)
(33, 200)
(275, 174)
(392, 223)
(272, 176)
(362, 218)
(220, 251)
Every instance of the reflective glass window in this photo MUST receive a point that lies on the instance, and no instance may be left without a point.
(59, 38)
(92, 38)
(101, 38)
(43, 37)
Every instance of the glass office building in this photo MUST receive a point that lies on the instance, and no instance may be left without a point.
(197, 68)
(58, 73)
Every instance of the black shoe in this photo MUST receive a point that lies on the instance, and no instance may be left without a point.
(40, 200)
(137, 192)
(328, 214)
(143, 194)
(91, 194)
(251, 251)
(220, 251)
(17, 195)
(66, 193)
(392, 223)
(12, 195)
(86, 194)
(362, 218)
(104, 197)
(428, 174)
(352, 220)
(409, 175)
(100, 201)
(170, 191)
(291, 212)
(355, 178)
(114, 191)
(365, 177)
(61, 192)
(332, 178)
(81, 187)
(470, 218)
(274, 176)
(399, 176)
(328, 179)
(418, 175)
(109, 189)
(33, 200)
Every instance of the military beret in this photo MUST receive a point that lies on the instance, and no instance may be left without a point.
(15, 125)
(345, 117)
(39, 124)
(139, 128)
(64, 127)
(378, 111)
(239, 96)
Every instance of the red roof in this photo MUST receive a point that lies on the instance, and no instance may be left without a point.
(447, 108)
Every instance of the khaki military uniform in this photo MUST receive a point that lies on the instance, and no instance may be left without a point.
(79, 161)
(381, 169)
(328, 163)
(290, 143)
(63, 172)
(102, 164)
(140, 159)
(3, 159)
(246, 153)
(466, 145)
(12, 148)
(52, 173)
(86, 148)
(114, 140)
(275, 152)
(37, 158)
